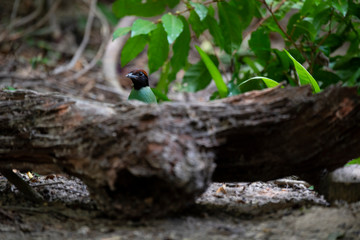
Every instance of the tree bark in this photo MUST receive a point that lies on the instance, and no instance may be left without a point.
(152, 159)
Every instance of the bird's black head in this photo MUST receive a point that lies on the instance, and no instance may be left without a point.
(139, 79)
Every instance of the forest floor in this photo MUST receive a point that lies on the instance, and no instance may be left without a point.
(259, 210)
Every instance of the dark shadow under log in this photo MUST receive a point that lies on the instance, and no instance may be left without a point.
(152, 159)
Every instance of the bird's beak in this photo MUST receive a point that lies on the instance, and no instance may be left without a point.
(130, 75)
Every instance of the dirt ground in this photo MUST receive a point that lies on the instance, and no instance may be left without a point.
(272, 210)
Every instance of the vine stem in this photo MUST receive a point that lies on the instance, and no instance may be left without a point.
(84, 42)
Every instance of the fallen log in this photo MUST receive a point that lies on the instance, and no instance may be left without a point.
(152, 159)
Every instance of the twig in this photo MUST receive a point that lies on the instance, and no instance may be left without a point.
(54, 25)
(83, 44)
(110, 58)
(22, 21)
(15, 9)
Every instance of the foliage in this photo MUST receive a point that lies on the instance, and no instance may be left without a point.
(313, 35)
(38, 60)
(354, 161)
(304, 76)
(214, 72)
(9, 88)
(267, 81)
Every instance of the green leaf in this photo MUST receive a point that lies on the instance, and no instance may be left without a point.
(304, 76)
(163, 83)
(231, 27)
(245, 11)
(307, 7)
(352, 80)
(233, 89)
(211, 11)
(123, 8)
(159, 95)
(260, 45)
(273, 27)
(215, 31)
(251, 64)
(200, 9)
(305, 28)
(322, 18)
(341, 6)
(268, 82)
(172, 3)
(107, 12)
(354, 161)
(215, 74)
(255, 84)
(354, 9)
(173, 26)
(283, 59)
(141, 26)
(120, 32)
(132, 48)
(181, 49)
(9, 88)
(298, 27)
(158, 48)
(197, 77)
(197, 26)
(326, 78)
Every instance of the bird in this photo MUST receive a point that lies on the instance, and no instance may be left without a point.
(141, 90)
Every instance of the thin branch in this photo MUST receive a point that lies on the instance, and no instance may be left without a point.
(21, 185)
(83, 44)
(105, 32)
(21, 21)
(28, 18)
(32, 28)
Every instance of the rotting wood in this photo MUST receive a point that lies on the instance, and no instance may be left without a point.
(153, 159)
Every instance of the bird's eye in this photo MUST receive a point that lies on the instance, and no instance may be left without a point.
(141, 73)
